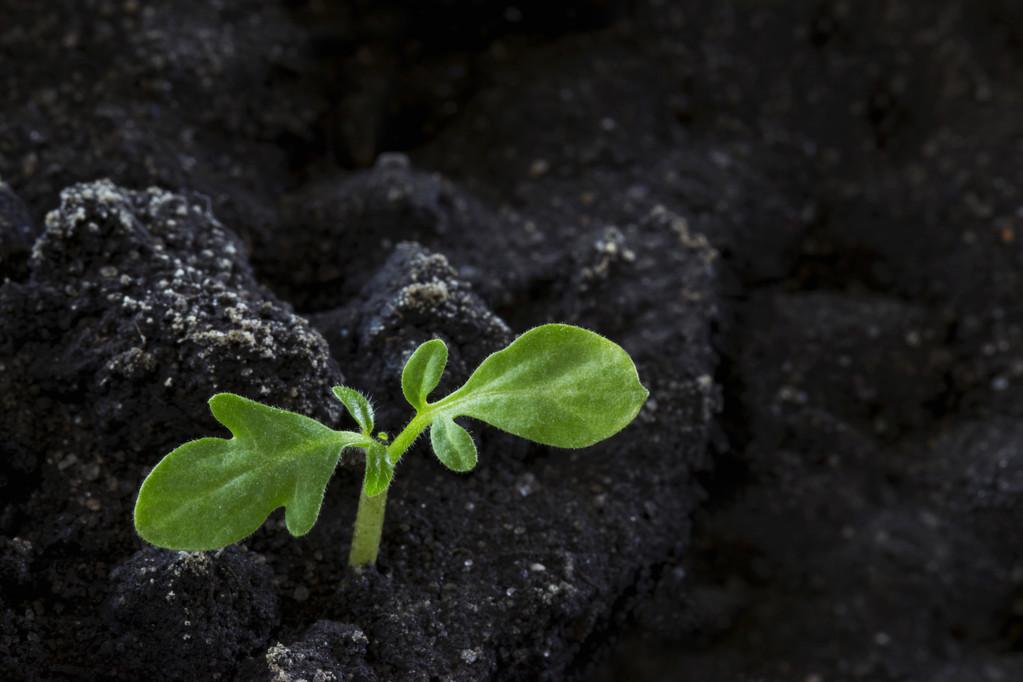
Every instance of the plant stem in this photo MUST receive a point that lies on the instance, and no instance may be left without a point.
(369, 519)
(404, 440)
(369, 524)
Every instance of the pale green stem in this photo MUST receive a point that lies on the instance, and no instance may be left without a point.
(369, 519)
(404, 440)
(369, 524)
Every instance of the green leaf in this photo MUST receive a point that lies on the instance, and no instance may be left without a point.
(422, 372)
(212, 492)
(556, 384)
(452, 444)
(358, 406)
(379, 470)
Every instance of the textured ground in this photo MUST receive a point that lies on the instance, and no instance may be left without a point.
(802, 219)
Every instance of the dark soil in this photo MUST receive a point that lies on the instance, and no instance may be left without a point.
(803, 219)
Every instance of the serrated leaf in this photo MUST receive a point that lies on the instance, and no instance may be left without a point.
(452, 444)
(212, 492)
(422, 372)
(357, 405)
(379, 470)
(556, 384)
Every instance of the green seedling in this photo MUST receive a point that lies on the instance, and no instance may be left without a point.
(556, 384)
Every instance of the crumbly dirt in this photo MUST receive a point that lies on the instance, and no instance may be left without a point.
(802, 219)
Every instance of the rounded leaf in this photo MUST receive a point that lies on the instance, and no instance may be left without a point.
(422, 372)
(452, 444)
(556, 384)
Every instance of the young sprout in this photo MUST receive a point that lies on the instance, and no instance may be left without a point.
(556, 384)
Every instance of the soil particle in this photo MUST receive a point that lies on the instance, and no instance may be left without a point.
(822, 195)
(17, 233)
(126, 289)
(188, 615)
(155, 289)
(347, 226)
(124, 104)
(19, 639)
(328, 652)
(15, 562)
(808, 352)
(975, 474)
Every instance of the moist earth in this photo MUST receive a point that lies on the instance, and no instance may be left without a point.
(803, 220)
